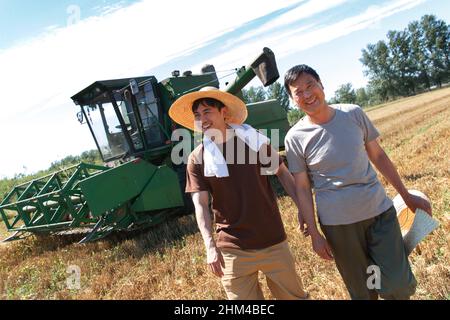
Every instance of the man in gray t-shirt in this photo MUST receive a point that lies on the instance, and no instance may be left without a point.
(330, 150)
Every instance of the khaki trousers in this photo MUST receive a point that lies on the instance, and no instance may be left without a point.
(240, 279)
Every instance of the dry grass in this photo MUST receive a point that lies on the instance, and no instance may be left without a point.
(169, 262)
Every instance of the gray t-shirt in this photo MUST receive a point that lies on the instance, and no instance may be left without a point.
(346, 186)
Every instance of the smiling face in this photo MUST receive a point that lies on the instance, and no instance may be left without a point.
(308, 94)
(210, 117)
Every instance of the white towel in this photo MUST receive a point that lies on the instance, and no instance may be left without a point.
(214, 161)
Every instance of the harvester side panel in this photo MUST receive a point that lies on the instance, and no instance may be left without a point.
(162, 192)
(113, 188)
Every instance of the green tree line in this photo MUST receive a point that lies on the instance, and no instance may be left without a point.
(408, 62)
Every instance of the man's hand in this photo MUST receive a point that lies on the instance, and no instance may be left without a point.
(415, 202)
(303, 227)
(215, 261)
(321, 246)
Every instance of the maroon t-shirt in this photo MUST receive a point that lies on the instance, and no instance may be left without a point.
(244, 204)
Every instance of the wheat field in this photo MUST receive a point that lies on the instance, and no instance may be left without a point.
(168, 262)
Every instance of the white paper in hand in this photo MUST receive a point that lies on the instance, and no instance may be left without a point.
(422, 226)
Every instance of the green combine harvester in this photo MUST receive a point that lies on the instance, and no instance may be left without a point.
(139, 186)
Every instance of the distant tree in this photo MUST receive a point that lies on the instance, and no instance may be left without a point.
(377, 59)
(332, 100)
(91, 156)
(362, 98)
(436, 43)
(404, 67)
(409, 61)
(345, 94)
(373, 95)
(418, 53)
(5, 186)
(277, 91)
(254, 94)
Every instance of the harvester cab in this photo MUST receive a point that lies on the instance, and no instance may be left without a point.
(128, 118)
(120, 125)
(139, 186)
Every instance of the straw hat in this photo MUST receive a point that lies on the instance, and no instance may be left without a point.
(414, 225)
(181, 109)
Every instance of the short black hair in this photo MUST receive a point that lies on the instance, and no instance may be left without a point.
(210, 102)
(293, 73)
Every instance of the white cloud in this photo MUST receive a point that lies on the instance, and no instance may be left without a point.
(303, 38)
(104, 10)
(51, 28)
(349, 25)
(303, 11)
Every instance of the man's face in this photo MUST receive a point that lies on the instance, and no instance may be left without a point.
(308, 94)
(210, 117)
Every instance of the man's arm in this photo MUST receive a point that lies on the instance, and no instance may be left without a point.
(382, 162)
(287, 181)
(213, 256)
(304, 196)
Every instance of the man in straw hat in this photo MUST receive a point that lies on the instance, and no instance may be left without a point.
(330, 150)
(250, 233)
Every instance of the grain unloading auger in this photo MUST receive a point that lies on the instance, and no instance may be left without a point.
(139, 186)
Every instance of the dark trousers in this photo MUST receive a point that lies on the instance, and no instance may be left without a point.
(371, 248)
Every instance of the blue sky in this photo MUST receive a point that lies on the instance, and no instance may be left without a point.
(49, 50)
(25, 19)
